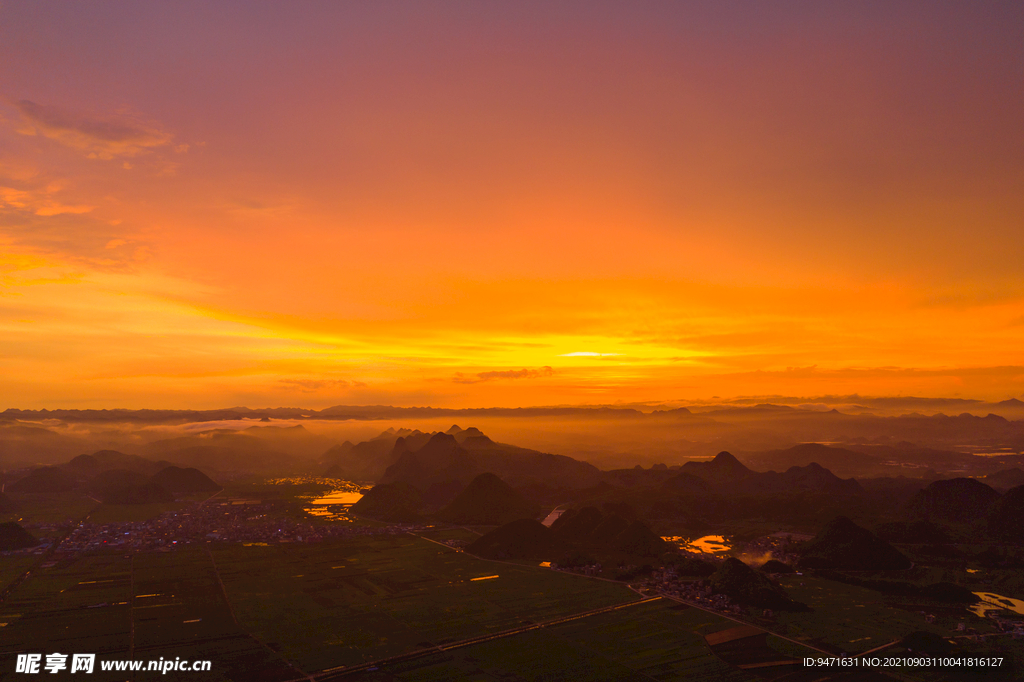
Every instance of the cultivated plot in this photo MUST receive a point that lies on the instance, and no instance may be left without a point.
(657, 640)
(846, 617)
(346, 603)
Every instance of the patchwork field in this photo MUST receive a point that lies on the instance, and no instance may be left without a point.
(13, 566)
(84, 607)
(847, 618)
(153, 605)
(294, 609)
(40, 508)
(363, 600)
(653, 641)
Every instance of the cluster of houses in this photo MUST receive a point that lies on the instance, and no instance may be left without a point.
(253, 522)
(665, 581)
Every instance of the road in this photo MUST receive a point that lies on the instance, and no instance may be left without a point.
(344, 671)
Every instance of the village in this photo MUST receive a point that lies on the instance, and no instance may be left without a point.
(239, 521)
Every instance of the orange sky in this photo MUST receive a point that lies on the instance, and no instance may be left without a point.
(485, 204)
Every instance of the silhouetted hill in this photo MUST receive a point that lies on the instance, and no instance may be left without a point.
(723, 469)
(949, 592)
(957, 499)
(746, 586)
(145, 493)
(488, 500)
(913, 533)
(611, 525)
(44, 480)
(728, 476)
(811, 477)
(1006, 516)
(368, 460)
(577, 525)
(639, 540)
(441, 459)
(445, 458)
(521, 539)
(641, 477)
(456, 457)
(13, 536)
(85, 465)
(268, 450)
(179, 480)
(678, 413)
(775, 566)
(394, 502)
(335, 457)
(470, 434)
(1005, 479)
(843, 545)
(522, 467)
(590, 528)
(838, 460)
(440, 494)
(685, 483)
(601, 489)
(114, 480)
(104, 460)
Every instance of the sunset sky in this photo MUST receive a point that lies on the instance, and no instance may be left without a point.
(469, 204)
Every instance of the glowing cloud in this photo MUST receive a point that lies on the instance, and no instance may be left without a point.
(587, 354)
(99, 137)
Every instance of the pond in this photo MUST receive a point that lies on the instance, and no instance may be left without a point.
(706, 544)
(339, 497)
(996, 602)
(332, 504)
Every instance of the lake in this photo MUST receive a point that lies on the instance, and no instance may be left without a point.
(706, 544)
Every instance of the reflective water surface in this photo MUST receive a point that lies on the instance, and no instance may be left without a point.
(333, 504)
(706, 544)
(995, 602)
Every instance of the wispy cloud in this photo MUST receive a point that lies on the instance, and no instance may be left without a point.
(545, 371)
(100, 137)
(40, 202)
(312, 385)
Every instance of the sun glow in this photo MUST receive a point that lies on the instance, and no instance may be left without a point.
(535, 237)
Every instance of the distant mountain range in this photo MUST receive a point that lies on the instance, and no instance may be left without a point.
(725, 473)
(608, 437)
(847, 405)
(116, 478)
(424, 474)
(466, 477)
(428, 461)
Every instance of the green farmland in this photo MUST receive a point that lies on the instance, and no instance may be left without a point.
(150, 606)
(363, 600)
(281, 612)
(657, 640)
(851, 619)
(48, 508)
